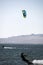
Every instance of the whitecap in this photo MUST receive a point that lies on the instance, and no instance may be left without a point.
(37, 61)
(9, 47)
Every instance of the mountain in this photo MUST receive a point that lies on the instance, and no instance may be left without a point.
(31, 39)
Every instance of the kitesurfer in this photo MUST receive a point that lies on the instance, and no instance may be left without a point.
(26, 60)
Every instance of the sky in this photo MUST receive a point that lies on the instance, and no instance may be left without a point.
(12, 22)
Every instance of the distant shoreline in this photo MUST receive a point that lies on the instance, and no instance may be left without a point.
(23, 39)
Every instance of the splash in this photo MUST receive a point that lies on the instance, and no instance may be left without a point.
(9, 47)
(37, 61)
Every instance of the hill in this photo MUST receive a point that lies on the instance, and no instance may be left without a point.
(31, 39)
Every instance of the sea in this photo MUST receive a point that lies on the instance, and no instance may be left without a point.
(10, 54)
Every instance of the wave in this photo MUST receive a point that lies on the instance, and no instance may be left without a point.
(9, 47)
(37, 61)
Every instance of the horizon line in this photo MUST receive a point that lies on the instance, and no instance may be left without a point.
(23, 35)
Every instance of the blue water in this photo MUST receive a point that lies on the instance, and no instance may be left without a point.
(12, 56)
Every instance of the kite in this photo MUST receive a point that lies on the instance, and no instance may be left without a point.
(24, 13)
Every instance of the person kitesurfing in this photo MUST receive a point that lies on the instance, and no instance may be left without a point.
(23, 56)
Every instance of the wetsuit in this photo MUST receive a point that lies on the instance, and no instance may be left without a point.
(24, 59)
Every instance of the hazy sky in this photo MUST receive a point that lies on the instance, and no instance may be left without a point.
(12, 22)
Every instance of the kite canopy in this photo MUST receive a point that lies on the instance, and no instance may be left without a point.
(24, 13)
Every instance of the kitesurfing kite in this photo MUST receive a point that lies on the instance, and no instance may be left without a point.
(24, 13)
